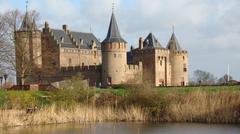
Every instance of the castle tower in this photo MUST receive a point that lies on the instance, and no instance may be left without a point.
(114, 57)
(155, 61)
(179, 62)
(28, 50)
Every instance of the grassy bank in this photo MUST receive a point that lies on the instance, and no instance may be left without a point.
(184, 104)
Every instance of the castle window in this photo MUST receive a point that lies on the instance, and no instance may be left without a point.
(69, 62)
(159, 57)
(183, 57)
(95, 54)
(184, 68)
(115, 55)
(82, 63)
(160, 62)
(62, 39)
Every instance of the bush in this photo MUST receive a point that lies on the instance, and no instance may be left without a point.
(73, 91)
(150, 100)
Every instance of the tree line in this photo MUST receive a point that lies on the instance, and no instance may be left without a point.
(201, 77)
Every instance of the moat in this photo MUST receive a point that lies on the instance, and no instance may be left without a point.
(127, 128)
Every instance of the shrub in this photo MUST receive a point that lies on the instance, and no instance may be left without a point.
(153, 102)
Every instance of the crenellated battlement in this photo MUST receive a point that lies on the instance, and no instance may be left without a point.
(134, 67)
(115, 46)
(81, 68)
(151, 51)
(162, 51)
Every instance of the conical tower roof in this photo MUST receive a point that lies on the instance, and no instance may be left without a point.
(113, 34)
(26, 23)
(151, 42)
(173, 43)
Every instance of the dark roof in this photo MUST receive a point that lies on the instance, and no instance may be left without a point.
(173, 43)
(87, 38)
(113, 32)
(62, 37)
(151, 42)
(27, 24)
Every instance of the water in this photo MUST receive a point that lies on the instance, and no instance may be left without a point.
(126, 128)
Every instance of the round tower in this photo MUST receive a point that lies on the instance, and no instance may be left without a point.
(28, 50)
(179, 63)
(114, 55)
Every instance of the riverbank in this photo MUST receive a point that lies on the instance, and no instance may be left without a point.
(135, 104)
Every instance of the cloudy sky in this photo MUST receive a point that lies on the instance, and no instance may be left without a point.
(208, 29)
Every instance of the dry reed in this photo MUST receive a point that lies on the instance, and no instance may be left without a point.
(197, 106)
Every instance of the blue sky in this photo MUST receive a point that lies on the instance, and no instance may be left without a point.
(208, 29)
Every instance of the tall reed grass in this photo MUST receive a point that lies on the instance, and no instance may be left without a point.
(139, 105)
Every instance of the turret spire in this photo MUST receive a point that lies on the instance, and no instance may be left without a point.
(26, 5)
(113, 6)
(113, 34)
(27, 23)
(173, 42)
(172, 28)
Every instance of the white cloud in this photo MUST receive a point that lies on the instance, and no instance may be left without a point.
(209, 29)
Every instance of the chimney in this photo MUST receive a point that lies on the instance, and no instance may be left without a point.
(46, 25)
(65, 28)
(140, 43)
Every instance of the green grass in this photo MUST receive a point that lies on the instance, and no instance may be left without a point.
(117, 92)
(201, 88)
(24, 99)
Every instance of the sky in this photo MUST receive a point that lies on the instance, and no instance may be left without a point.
(208, 29)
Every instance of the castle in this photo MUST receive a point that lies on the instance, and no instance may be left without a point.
(53, 55)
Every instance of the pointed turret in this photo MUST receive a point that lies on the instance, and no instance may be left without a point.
(26, 23)
(173, 43)
(113, 34)
(151, 42)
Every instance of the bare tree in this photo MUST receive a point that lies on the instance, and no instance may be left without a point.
(9, 23)
(224, 79)
(204, 78)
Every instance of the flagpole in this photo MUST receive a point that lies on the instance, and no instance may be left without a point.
(228, 71)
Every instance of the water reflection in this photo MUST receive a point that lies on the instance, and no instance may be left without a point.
(126, 128)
